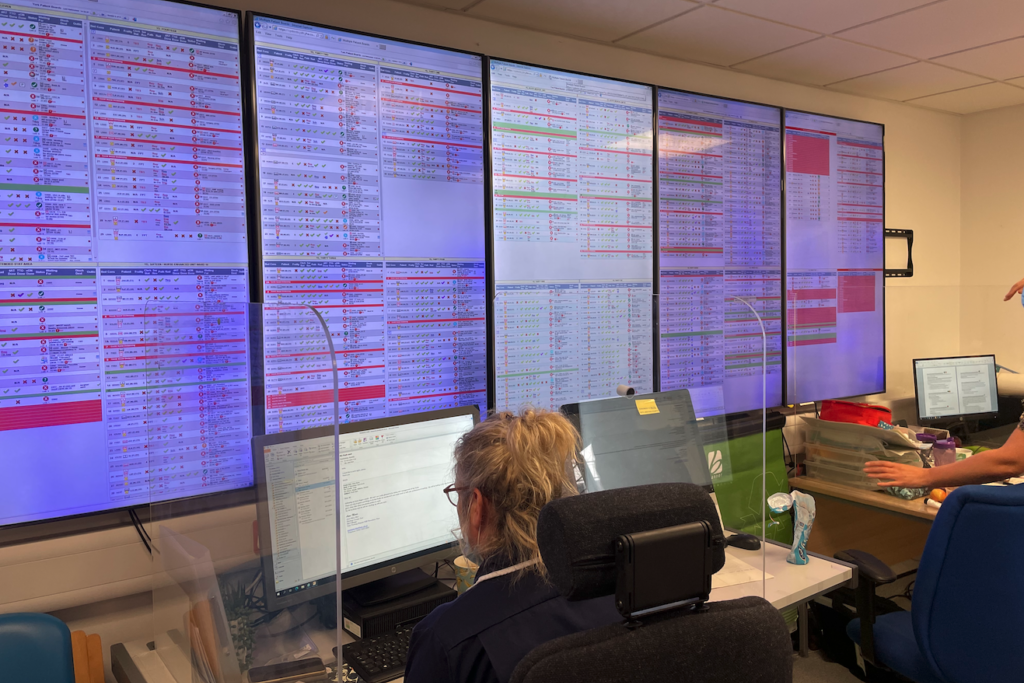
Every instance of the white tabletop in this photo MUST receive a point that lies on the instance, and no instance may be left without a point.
(790, 584)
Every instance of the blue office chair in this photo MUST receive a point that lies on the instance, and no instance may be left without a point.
(967, 613)
(35, 647)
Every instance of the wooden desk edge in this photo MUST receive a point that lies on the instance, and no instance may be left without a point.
(875, 499)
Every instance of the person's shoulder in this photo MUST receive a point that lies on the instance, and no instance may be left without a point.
(483, 606)
(446, 623)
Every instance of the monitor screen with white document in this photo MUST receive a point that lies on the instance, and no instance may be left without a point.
(396, 514)
(956, 387)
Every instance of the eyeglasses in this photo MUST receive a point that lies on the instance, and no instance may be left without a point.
(449, 490)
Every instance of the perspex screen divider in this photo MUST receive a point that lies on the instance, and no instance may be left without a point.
(221, 565)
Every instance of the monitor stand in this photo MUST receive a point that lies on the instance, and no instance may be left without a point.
(390, 587)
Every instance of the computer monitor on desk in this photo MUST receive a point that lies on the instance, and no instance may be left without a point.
(638, 440)
(397, 517)
(956, 388)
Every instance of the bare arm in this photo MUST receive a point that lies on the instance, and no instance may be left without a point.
(995, 465)
(1016, 289)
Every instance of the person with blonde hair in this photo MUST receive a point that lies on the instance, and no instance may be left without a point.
(506, 469)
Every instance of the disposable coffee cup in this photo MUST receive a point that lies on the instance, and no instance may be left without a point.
(465, 574)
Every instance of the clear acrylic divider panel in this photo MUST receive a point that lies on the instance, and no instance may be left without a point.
(235, 436)
(660, 438)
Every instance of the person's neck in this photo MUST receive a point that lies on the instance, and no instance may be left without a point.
(493, 562)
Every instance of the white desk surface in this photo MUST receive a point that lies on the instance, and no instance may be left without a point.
(790, 585)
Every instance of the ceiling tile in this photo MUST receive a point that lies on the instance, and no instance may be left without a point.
(716, 36)
(979, 98)
(823, 61)
(827, 16)
(908, 82)
(944, 27)
(594, 19)
(1001, 61)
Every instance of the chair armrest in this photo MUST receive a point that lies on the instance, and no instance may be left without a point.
(868, 566)
(871, 573)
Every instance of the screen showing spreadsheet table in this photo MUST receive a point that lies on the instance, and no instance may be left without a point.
(371, 177)
(123, 199)
(573, 203)
(720, 244)
(835, 219)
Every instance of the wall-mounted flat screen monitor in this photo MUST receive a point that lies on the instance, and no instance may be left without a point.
(720, 248)
(573, 212)
(124, 216)
(835, 260)
(371, 195)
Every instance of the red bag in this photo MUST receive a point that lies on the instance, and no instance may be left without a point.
(857, 413)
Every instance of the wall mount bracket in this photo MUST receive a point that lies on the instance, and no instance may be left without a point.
(907, 235)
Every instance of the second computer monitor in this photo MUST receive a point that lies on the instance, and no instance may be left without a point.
(632, 441)
(958, 387)
(396, 516)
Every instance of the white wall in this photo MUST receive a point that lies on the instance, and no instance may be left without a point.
(992, 234)
(922, 193)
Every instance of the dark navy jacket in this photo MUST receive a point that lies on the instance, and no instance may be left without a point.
(486, 631)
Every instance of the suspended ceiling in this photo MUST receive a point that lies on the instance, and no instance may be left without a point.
(959, 56)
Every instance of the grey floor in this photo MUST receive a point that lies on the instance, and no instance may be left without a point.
(814, 669)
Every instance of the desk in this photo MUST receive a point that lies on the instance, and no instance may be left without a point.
(848, 518)
(790, 585)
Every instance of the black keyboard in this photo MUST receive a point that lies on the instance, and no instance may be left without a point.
(379, 659)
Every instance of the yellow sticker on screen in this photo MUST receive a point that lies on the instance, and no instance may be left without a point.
(646, 406)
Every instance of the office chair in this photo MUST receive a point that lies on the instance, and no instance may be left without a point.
(641, 544)
(35, 647)
(967, 611)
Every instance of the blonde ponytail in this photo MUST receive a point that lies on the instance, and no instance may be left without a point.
(520, 463)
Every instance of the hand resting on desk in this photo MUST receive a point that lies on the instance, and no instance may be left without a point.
(995, 465)
(895, 474)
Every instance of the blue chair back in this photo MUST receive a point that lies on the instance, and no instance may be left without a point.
(35, 647)
(968, 606)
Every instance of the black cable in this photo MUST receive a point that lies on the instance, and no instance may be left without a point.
(791, 463)
(816, 415)
(135, 514)
(141, 531)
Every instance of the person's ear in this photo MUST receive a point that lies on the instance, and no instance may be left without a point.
(477, 511)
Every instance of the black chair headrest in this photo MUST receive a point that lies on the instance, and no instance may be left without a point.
(577, 534)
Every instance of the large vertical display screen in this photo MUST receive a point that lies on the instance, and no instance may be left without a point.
(835, 218)
(122, 191)
(573, 204)
(720, 229)
(371, 191)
